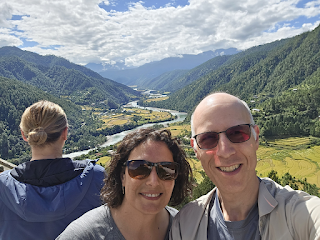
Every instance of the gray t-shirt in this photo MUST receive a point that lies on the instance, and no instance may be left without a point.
(99, 224)
(218, 228)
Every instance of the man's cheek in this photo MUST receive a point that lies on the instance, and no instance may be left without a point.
(210, 152)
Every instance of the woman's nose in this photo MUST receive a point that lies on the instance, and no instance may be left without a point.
(153, 178)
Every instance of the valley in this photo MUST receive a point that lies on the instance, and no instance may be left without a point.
(279, 80)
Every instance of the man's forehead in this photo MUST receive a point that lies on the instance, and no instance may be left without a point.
(221, 112)
(216, 109)
(220, 98)
(211, 103)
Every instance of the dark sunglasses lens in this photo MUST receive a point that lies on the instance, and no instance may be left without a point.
(238, 134)
(207, 140)
(167, 171)
(138, 169)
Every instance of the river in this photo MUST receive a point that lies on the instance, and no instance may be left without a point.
(115, 138)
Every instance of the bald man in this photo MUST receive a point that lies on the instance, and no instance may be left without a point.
(242, 206)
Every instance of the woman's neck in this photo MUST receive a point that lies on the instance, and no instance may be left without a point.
(134, 226)
(48, 151)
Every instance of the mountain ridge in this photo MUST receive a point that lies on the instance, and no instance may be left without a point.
(140, 75)
(61, 77)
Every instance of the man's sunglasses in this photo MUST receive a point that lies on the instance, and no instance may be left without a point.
(236, 134)
(140, 169)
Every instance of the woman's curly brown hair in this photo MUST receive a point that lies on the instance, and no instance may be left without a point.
(111, 192)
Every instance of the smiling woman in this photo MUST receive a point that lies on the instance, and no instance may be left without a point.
(148, 172)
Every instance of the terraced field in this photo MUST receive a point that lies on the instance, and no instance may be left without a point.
(131, 115)
(301, 163)
(156, 99)
(104, 160)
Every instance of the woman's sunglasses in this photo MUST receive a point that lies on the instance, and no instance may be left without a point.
(236, 134)
(140, 169)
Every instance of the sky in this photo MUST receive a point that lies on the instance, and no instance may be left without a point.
(137, 32)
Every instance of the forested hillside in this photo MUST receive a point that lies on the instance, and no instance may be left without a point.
(281, 79)
(294, 113)
(171, 83)
(163, 82)
(61, 77)
(16, 97)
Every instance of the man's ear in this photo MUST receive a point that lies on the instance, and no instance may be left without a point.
(24, 136)
(257, 131)
(192, 143)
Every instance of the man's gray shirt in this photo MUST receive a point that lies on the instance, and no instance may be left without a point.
(218, 228)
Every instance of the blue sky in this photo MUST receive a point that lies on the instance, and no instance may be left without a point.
(138, 32)
(123, 6)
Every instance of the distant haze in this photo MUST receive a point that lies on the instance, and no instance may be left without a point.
(140, 75)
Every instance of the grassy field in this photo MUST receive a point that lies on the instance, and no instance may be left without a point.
(302, 163)
(178, 129)
(131, 115)
(104, 160)
(156, 99)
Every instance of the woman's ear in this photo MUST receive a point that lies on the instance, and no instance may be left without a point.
(65, 134)
(24, 136)
(123, 177)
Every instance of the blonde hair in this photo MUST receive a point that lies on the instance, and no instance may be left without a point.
(43, 122)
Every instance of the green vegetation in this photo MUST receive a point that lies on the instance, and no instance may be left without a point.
(103, 154)
(133, 116)
(165, 81)
(279, 80)
(174, 81)
(300, 161)
(293, 113)
(61, 77)
(265, 70)
(156, 99)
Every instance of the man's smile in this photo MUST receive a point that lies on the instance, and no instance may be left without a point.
(230, 168)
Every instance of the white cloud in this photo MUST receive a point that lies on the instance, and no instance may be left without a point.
(84, 32)
(5, 14)
(6, 39)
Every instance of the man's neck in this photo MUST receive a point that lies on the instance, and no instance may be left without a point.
(236, 206)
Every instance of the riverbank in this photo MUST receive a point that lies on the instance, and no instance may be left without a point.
(115, 138)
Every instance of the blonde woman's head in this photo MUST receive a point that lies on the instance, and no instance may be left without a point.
(43, 122)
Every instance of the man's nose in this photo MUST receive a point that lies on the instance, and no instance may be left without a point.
(225, 147)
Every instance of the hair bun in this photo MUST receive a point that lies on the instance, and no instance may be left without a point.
(37, 136)
(39, 129)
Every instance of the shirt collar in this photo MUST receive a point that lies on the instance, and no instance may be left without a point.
(266, 201)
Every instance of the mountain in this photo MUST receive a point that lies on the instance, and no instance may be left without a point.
(139, 76)
(163, 82)
(177, 79)
(281, 79)
(266, 70)
(63, 78)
